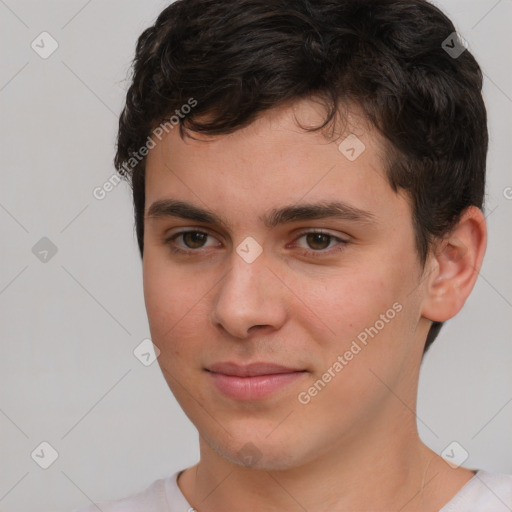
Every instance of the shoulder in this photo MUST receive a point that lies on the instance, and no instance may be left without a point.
(485, 492)
(157, 497)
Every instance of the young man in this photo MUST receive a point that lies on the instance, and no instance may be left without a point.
(308, 179)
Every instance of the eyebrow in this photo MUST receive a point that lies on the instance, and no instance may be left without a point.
(296, 212)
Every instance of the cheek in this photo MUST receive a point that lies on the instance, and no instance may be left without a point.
(366, 317)
(350, 301)
(165, 297)
(177, 310)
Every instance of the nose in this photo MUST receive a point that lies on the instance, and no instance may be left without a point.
(250, 296)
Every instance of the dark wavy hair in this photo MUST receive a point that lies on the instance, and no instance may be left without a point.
(239, 58)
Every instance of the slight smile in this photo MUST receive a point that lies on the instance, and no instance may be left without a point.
(251, 382)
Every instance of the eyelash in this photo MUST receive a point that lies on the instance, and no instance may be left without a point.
(319, 253)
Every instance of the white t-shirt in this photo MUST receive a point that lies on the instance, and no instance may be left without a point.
(485, 492)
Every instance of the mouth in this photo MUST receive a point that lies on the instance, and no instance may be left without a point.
(252, 382)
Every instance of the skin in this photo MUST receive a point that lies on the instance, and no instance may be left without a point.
(355, 445)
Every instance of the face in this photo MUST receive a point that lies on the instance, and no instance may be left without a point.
(283, 287)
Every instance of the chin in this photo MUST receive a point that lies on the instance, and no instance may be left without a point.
(258, 452)
(264, 460)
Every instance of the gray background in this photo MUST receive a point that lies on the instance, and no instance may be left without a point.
(68, 326)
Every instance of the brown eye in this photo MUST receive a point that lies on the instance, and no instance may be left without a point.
(191, 242)
(194, 239)
(318, 241)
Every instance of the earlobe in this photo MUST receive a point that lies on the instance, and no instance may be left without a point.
(456, 263)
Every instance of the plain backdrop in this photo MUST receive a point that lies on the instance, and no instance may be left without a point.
(71, 319)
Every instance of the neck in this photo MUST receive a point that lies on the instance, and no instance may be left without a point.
(382, 469)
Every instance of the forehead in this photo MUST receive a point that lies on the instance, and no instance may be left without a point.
(274, 162)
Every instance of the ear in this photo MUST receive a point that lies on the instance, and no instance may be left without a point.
(454, 266)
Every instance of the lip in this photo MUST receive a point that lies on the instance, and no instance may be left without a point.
(252, 382)
(250, 370)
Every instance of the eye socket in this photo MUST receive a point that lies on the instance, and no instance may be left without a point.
(320, 236)
(194, 240)
(313, 238)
